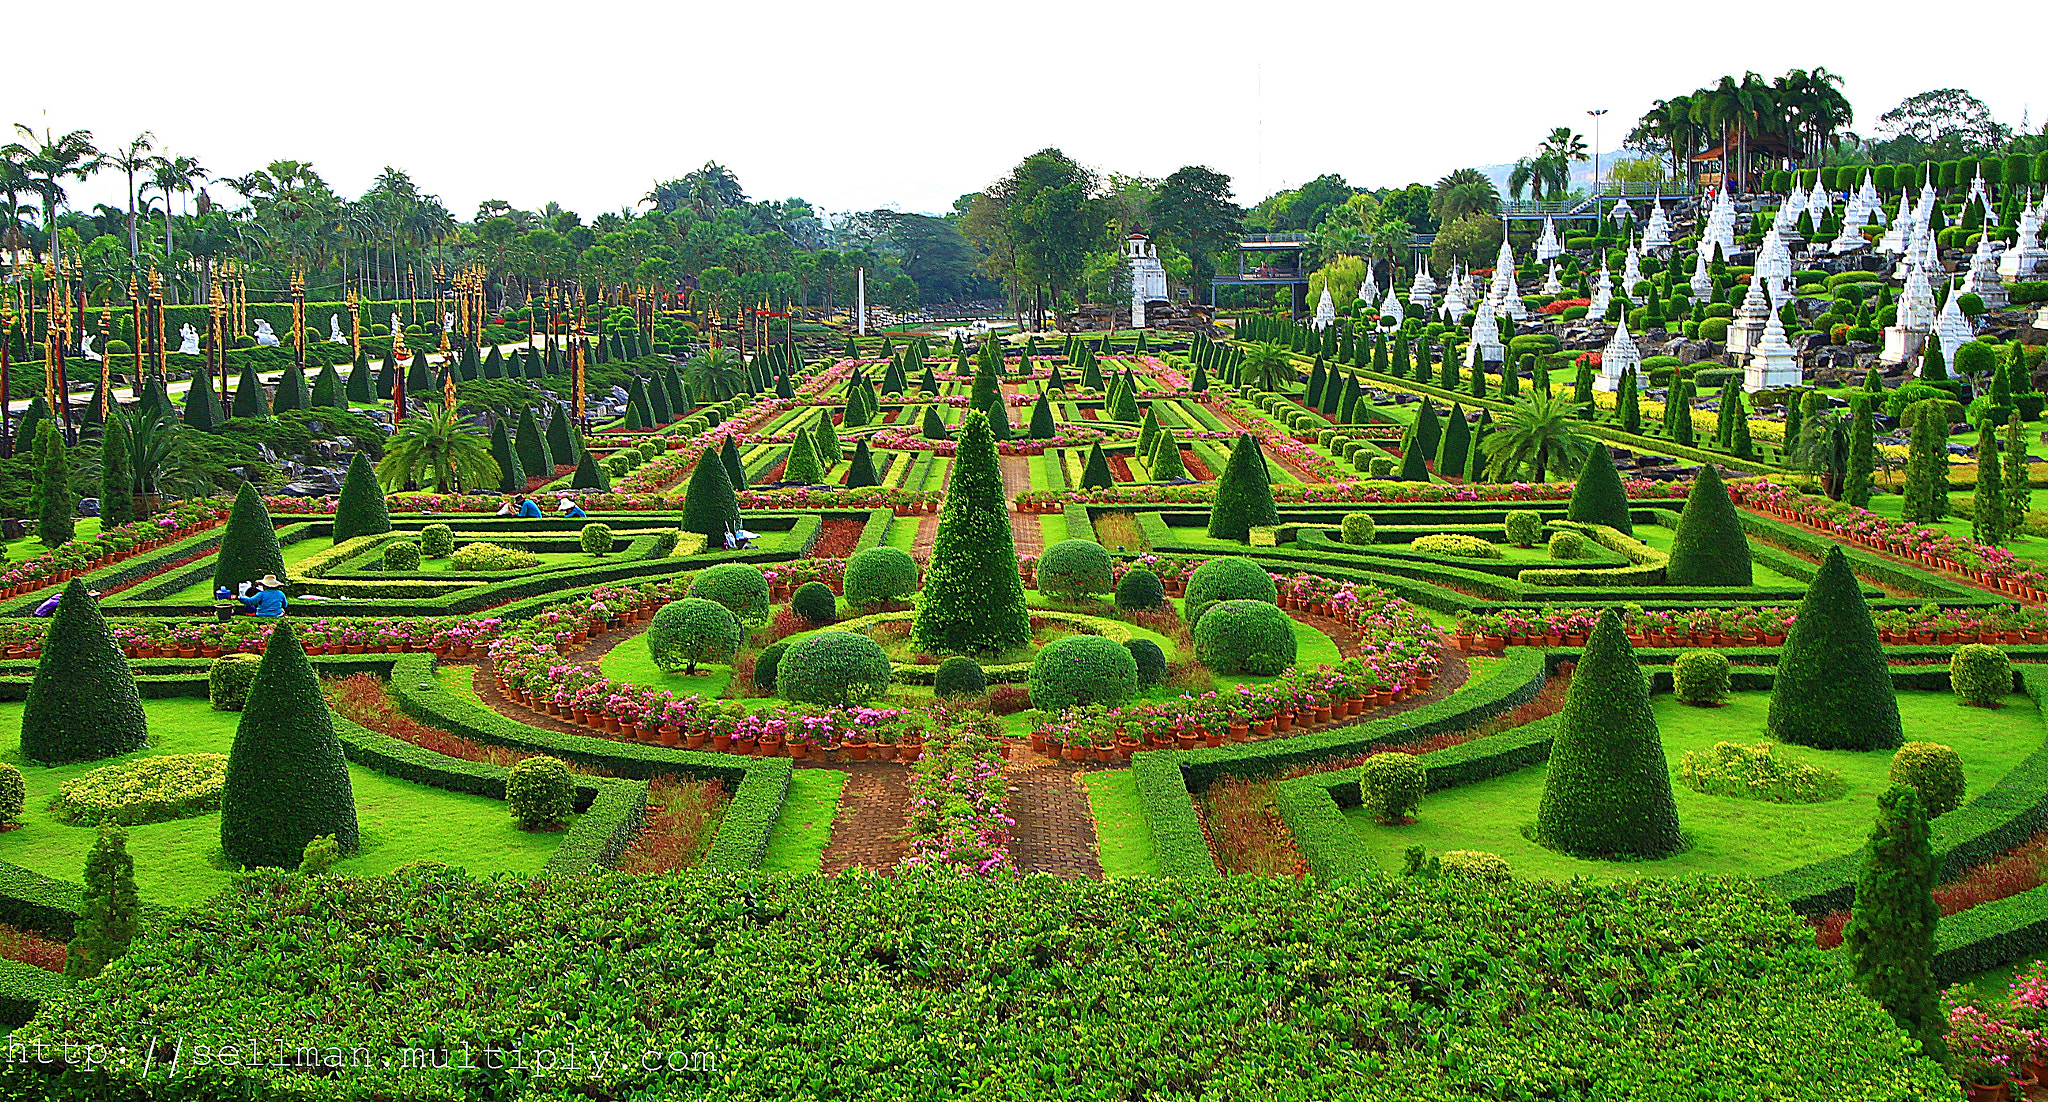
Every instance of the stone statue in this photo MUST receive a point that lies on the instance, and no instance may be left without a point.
(265, 336)
(85, 346)
(188, 340)
(334, 329)
(448, 323)
(395, 327)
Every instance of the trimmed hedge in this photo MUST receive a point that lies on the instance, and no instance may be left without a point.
(286, 781)
(1072, 569)
(1229, 578)
(83, 704)
(737, 586)
(833, 668)
(1834, 690)
(692, 630)
(1082, 669)
(879, 574)
(1245, 636)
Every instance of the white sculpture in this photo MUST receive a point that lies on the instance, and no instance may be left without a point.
(1631, 274)
(2020, 260)
(1983, 280)
(334, 329)
(1422, 290)
(1368, 291)
(1774, 363)
(1903, 340)
(1326, 310)
(1486, 346)
(395, 327)
(1702, 282)
(1657, 235)
(1618, 358)
(1547, 246)
(265, 336)
(1953, 326)
(1551, 284)
(85, 346)
(1750, 319)
(1148, 276)
(188, 340)
(1603, 294)
(1391, 307)
(448, 323)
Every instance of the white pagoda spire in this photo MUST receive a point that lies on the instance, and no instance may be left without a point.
(1631, 274)
(1547, 246)
(1486, 346)
(1390, 307)
(1657, 234)
(1619, 357)
(1750, 319)
(1953, 326)
(1603, 294)
(1916, 302)
(1422, 292)
(1983, 280)
(1774, 363)
(1621, 211)
(1368, 290)
(1326, 311)
(1551, 284)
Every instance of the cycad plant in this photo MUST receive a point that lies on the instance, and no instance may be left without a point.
(437, 450)
(1540, 431)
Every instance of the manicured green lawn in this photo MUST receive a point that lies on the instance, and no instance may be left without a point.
(1729, 835)
(797, 844)
(293, 553)
(629, 661)
(178, 863)
(1660, 537)
(1122, 839)
(28, 547)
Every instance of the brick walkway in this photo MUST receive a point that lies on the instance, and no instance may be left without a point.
(867, 833)
(1055, 830)
(1024, 530)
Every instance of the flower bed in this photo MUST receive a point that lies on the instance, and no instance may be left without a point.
(1366, 492)
(957, 809)
(90, 553)
(1746, 625)
(1987, 565)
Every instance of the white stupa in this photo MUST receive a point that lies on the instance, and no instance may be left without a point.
(1953, 326)
(1551, 284)
(1548, 247)
(1457, 303)
(1978, 192)
(1422, 290)
(1622, 212)
(1148, 276)
(1619, 357)
(1390, 307)
(1983, 279)
(1368, 290)
(1603, 294)
(1702, 282)
(1774, 264)
(1904, 338)
(1818, 203)
(1746, 332)
(1899, 232)
(2019, 261)
(1631, 274)
(1326, 311)
(1486, 346)
(1720, 228)
(1774, 364)
(1657, 234)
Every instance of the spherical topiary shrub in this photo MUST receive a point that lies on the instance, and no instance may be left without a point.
(1391, 786)
(816, 603)
(835, 668)
(1082, 669)
(693, 630)
(401, 555)
(1980, 674)
(1071, 569)
(767, 664)
(737, 586)
(1245, 637)
(1140, 588)
(227, 680)
(539, 791)
(1359, 529)
(960, 676)
(13, 793)
(879, 575)
(1228, 579)
(1700, 678)
(1936, 771)
(437, 541)
(1475, 864)
(597, 539)
(1567, 545)
(1524, 528)
(1456, 545)
(1150, 659)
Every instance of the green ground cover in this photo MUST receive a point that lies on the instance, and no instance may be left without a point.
(178, 863)
(1122, 840)
(28, 547)
(2031, 548)
(294, 554)
(1746, 837)
(797, 844)
(628, 660)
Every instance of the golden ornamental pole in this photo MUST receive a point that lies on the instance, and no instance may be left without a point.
(355, 324)
(135, 349)
(298, 320)
(156, 325)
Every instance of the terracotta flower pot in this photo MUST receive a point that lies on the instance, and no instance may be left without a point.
(769, 746)
(630, 730)
(693, 741)
(1186, 740)
(1283, 722)
(882, 751)
(1263, 728)
(1423, 682)
(1239, 731)
(721, 743)
(1305, 718)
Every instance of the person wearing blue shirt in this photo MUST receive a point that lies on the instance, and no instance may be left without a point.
(528, 507)
(567, 507)
(268, 598)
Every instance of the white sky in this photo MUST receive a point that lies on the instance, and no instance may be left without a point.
(909, 104)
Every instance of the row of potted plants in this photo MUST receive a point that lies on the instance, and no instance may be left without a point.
(1362, 492)
(785, 577)
(77, 556)
(957, 807)
(1986, 565)
(457, 636)
(1745, 625)
(1999, 1043)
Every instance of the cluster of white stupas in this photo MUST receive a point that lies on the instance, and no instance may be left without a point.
(1603, 293)
(1548, 247)
(1719, 229)
(1422, 290)
(1657, 234)
(1504, 294)
(2020, 259)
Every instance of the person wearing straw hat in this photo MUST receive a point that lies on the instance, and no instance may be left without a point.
(266, 600)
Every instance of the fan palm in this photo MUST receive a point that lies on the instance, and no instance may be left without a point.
(153, 444)
(1540, 430)
(439, 450)
(715, 374)
(1267, 366)
(1462, 192)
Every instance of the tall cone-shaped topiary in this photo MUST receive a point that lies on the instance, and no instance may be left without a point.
(531, 445)
(25, 431)
(1148, 432)
(1607, 792)
(418, 380)
(1043, 427)
(326, 389)
(82, 705)
(511, 475)
(1890, 935)
(249, 394)
(1833, 690)
(202, 409)
(286, 782)
(1429, 429)
(860, 470)
(1455, 444)
(359, 511)
(1708, 548)
(802, 465)
(1095, 474)
(248, 545)
(1244, 493)
(117, 488)
(561, 439)
(360, 386)
(1598, 496)
(826, 440)
(973, 599)
(291, 390)
(589, 476)
(1414, 465)
(735, 471)
(709, 506)
(1167, 464)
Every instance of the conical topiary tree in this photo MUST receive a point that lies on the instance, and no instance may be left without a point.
(286, 782)
(934, 426)
(1043, 427)
(1607, 792)
(56, 505)
(511, 474)
(291, 390)
(117, 496)
(359, 511)
(1833, 690)
(709, 505)
(360, 386)
(82, 705)
(248, 545)
(1890, 934)
(109, 909)
(326, 389)
(1598, 496)
(825, 439)
(1709, 547)
(419, 380)
(860, 470)
(249, 394)
(1244, 493)
(1167, 464)
(802, 465)
(1095, 474)
(1414, 464)
(531, 445)
(562, 439)
(973, 600)
(735, 471)
(1456, 443)
(202, 410)
(589, 476)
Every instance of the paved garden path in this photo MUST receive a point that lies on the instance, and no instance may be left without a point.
(1024, 529)
(867, 832)
(1055, 830)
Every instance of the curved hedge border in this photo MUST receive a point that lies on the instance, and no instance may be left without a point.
(1646, 569)
(907, 673)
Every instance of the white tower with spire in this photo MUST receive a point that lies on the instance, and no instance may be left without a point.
(1148, 276)
(1326, 311)
(1619, 357)
(2019, 261)
(1657, 234)
(1603, 294)
(1368, 290)
(1702, 282)
(1486, 346)
(1547, 246)
(1983, 280)
(1422, 291)
(1774, 364)
(1751, 319)
(1904, 339)
(1953, 326)
(1631, 274)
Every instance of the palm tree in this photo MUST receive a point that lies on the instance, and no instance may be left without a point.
(170, 176)
(1465, 191)
(1539, 429)
(1267, 366)
(437, 449)
(130, 159)
(155, 444)
(715, 375)
(51, 159)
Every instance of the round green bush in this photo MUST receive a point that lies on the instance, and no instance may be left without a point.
(1230, 578)
(539, 791)
(1150, 659)
(1140, 588)
(1252, 637)
(1936, 771)
(401, 555)
(228, 680)
(737, 586)
(1700, 678)
(13, 793)
(437, 541)
(835, 668)
(690, 631)
(492, 556)
(878, 576)
(1359, 529)
(960, 676)
(1566, 544)
(1524, 528)
(597, 539)
(767, 664)
(1980, 674)
(1475, 864)
(816, 603)
(1082, 669)
(144, 790)
(1072, 569)
(1390, 786)
(1456, 545)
